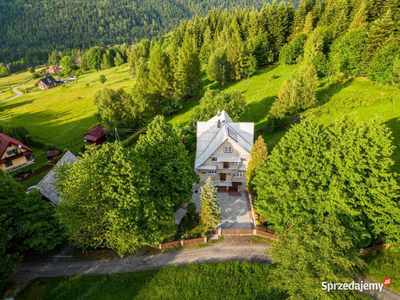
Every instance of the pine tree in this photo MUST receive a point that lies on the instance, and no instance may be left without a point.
(360, 18)
(207, 47)
(105, 62)
(379, 32)
(210, 214)
(259, 154)
(299, 18)
(309, 23)
(118, 60)
(297, 93)
(188, 73)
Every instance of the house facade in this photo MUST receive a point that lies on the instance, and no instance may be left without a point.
(47, 83)
(223, 152)
(13, 154)
(53, 69)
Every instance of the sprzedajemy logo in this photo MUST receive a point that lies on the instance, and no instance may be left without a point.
(355, 286)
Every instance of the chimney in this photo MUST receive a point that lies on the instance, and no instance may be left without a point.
(219, 113)
(219, 124)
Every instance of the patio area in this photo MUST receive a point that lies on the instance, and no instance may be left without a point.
(234, 209)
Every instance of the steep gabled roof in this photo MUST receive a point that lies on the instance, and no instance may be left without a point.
(47, 185)
(49, 80)
(5, 140)
(210, 137)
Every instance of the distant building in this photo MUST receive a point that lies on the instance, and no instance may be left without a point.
(13, 154)
(30, 66)
(53, 153)
(223, 152)
(96, 136)
(47, 83)
(47, 186)
(53, 69)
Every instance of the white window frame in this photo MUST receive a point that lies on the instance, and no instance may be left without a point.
(214, 159)
(228, 149)
(238, 175)
(212, 172)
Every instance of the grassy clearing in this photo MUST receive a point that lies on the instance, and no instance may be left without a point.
(229, 280)
(63, 114)
(384, 263)
(13, 80)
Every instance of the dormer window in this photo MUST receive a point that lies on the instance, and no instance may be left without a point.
(13, 151)
(228, 149)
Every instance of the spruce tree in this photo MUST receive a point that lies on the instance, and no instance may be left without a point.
(210, 214)
(188, 73)
(118, 60)
(259, 154)
(297, 93)
(378, 34)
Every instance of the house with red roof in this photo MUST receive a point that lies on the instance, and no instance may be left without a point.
(53, 69)
(13, 154)
(96, 136)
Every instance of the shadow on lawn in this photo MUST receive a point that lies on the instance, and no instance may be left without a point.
(8, 105)
(258, 110)
(324, 95)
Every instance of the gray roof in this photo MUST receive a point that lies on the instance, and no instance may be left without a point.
(210, 137)
(47, 185)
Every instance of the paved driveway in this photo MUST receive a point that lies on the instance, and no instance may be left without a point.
(235, 213)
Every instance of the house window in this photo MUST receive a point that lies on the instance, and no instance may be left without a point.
(237, 163)
(228, 149)
(238, 175)
(214, 159)
(9, 163)
(212, 172)
(13, 151)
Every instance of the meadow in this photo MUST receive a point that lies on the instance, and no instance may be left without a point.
(63, 114)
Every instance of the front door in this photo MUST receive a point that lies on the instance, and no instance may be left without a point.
(226, 165)
(223, 176)
(234, 188)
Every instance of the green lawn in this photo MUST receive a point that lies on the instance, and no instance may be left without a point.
(384, 263)
(63, 114)
(229, 280)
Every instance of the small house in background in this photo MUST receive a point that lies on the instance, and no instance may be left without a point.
(47, 186)
(47, 83)
(13, 154)
(30, 66)
(96, 136)
(51, 154)
(53, 69)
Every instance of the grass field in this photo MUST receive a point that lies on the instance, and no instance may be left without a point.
(63, 114)
(229, 280)
(382, 264)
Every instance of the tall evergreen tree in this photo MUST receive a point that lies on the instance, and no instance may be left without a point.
(188, 73)
(258, 155)
(210, 214)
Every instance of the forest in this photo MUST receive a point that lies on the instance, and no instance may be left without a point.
(325, 191)
(31, 28)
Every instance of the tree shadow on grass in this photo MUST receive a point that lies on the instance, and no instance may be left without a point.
(257, 111)
(324, 95)
(8, 105)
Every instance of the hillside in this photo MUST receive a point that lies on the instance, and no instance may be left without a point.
(67, 112)
(82, 23)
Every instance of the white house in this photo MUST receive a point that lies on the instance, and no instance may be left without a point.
(223, 152)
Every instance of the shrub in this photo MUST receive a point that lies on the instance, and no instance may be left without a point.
(191, 208)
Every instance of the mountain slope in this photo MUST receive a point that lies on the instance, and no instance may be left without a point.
(36, 27)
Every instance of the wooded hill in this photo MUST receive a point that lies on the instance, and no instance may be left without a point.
(33, 28)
